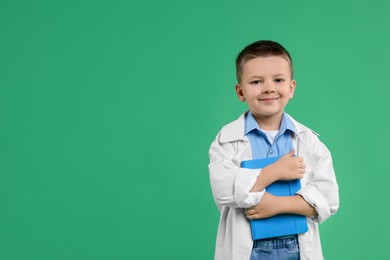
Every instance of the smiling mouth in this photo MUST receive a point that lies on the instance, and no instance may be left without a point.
(268, 99)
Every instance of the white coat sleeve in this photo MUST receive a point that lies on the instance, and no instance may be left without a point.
(321, 190)
(231, 184)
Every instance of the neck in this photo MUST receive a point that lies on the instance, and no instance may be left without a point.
(269, 123)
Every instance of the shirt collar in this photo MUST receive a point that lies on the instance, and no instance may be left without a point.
(251, 124)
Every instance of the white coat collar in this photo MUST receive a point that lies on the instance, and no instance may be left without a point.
(234, 131)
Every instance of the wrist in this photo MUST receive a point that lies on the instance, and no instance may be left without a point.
(272, 173)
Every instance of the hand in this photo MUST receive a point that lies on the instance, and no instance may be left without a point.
(289, 167)
(266, 208)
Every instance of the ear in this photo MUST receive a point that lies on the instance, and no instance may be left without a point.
(240, 93)
(293, 85)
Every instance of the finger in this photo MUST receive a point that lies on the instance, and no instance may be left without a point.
(247, 209)
(250, 212)
(253, 216)
(290, 154)
(301, 166)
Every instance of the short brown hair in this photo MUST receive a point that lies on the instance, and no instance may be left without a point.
(263, 48)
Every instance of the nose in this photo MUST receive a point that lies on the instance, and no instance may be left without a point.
(268, 88)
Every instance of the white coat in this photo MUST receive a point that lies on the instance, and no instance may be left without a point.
(231, 187)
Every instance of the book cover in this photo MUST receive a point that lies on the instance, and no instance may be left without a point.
(279, 225)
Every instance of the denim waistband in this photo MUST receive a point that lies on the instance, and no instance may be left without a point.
(276, 242)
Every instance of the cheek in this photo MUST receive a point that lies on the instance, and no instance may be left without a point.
(254, 91)
(249, 94)
(288, 93)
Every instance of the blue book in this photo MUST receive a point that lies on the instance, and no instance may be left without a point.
(279, 225)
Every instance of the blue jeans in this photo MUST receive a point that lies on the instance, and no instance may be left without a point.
(282, 248)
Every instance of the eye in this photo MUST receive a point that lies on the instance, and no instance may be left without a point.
(255, 82)
(279, 80)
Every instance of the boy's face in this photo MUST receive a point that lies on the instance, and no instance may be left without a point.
(266, 86)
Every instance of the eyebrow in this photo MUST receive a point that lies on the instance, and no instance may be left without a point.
(280, 74)
(277, 75)
(255, 76)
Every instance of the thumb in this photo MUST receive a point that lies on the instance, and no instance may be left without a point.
(291, 154)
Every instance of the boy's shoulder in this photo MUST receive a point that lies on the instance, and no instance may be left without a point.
(234, 130)
(301, 128)
(309, 137)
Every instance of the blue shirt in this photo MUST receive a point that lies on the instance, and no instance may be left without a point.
(261, 146)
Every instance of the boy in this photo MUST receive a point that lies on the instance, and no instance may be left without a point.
(265, 82)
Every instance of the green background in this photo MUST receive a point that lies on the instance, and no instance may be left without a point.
(108, 108)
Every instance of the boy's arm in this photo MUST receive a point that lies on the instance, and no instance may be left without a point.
(271, 205)
(319, 193)
(230, 183)
(288, 167)
(321, 190)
